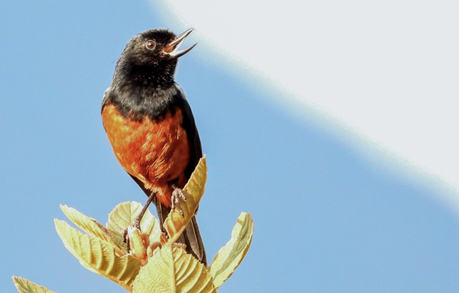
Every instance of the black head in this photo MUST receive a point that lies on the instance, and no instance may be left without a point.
(150, 58)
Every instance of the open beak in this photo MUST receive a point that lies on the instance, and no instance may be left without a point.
(172, 49)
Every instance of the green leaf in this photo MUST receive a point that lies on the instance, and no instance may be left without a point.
(124, 214)
(25, 286)
(175, 222)
(231, 255)
(171, 270)
(98, 256)
(91, 227)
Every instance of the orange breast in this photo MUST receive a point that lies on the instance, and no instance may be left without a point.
(154, 152)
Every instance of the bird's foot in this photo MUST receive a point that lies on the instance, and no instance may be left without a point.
(177, 194)
(138, 219)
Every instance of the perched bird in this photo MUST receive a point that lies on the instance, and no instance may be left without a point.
(150, 125)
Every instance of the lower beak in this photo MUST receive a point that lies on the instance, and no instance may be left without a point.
(172, 49)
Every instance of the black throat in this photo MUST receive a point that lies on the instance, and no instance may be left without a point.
(140, 90)
(143, 94)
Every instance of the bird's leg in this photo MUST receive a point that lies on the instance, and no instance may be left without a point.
(150, 199)
(136, 223)
(175, 199)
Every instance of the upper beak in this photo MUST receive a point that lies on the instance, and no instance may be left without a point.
(172, 49)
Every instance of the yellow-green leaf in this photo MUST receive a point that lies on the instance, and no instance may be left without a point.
(98, 256)
(175, 223)
(25, 286)
(171, 270)
(230, 256)
(91, 227)
(124, 214)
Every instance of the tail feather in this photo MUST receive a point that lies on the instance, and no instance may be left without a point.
(191, 236)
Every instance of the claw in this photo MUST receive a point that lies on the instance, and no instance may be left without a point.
(136, 223)
(175, 199)
(126, 239)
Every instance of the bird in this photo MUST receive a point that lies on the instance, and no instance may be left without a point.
(150, 125)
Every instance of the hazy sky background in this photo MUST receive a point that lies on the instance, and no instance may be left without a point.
(333, 212)
(384, 74)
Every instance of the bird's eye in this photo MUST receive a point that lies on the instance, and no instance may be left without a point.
(150, 45)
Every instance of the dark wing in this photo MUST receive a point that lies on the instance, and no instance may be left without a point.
(191, 237)
(191, 131)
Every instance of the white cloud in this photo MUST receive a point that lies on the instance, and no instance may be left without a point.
(387, 70)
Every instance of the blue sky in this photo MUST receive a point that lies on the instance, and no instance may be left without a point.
(328, 218)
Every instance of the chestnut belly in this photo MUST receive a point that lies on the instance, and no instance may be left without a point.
(155, 152)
